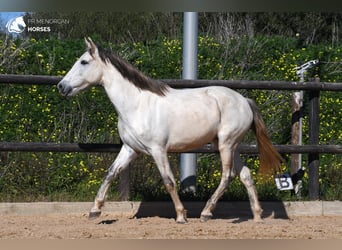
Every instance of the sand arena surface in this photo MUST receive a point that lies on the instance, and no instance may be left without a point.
(113, 226)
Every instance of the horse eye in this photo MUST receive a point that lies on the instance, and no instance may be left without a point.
(84, 62)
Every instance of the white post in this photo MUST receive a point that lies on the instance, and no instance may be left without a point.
(190, 40)
(296, 159)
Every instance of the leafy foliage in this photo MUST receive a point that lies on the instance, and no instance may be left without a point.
(39, 113)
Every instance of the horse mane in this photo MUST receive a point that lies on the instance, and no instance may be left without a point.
(132, 74)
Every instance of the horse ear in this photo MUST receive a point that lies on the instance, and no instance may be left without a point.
(91, 46)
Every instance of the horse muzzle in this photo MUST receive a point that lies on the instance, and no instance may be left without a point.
(64, 89)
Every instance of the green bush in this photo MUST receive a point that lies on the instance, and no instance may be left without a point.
(32, 113)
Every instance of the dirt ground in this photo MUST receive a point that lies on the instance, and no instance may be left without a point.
(111, 226)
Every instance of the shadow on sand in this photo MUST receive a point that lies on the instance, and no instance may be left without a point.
(240, 211)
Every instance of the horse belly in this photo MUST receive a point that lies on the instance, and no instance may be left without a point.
(182, 144)
(193, 130)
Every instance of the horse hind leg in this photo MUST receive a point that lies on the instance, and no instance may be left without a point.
(246, 179)
(228, 174)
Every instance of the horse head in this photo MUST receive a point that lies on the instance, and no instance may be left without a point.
(86, 71)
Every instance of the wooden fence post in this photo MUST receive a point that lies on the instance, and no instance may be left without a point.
(313, 164)
(295, 130)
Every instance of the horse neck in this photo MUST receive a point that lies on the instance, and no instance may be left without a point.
(125, 96)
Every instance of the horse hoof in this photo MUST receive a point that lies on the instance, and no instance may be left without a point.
(94, 215)
(258, 220)
(205, 218)
(182, 217)
(182, 221)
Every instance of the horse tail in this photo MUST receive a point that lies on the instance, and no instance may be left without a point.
(270, 159)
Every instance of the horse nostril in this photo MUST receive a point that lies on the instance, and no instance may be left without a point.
(59, 86)
(64, 89)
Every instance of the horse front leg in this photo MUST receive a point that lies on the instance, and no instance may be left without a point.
(125, 156)
(169, 181)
